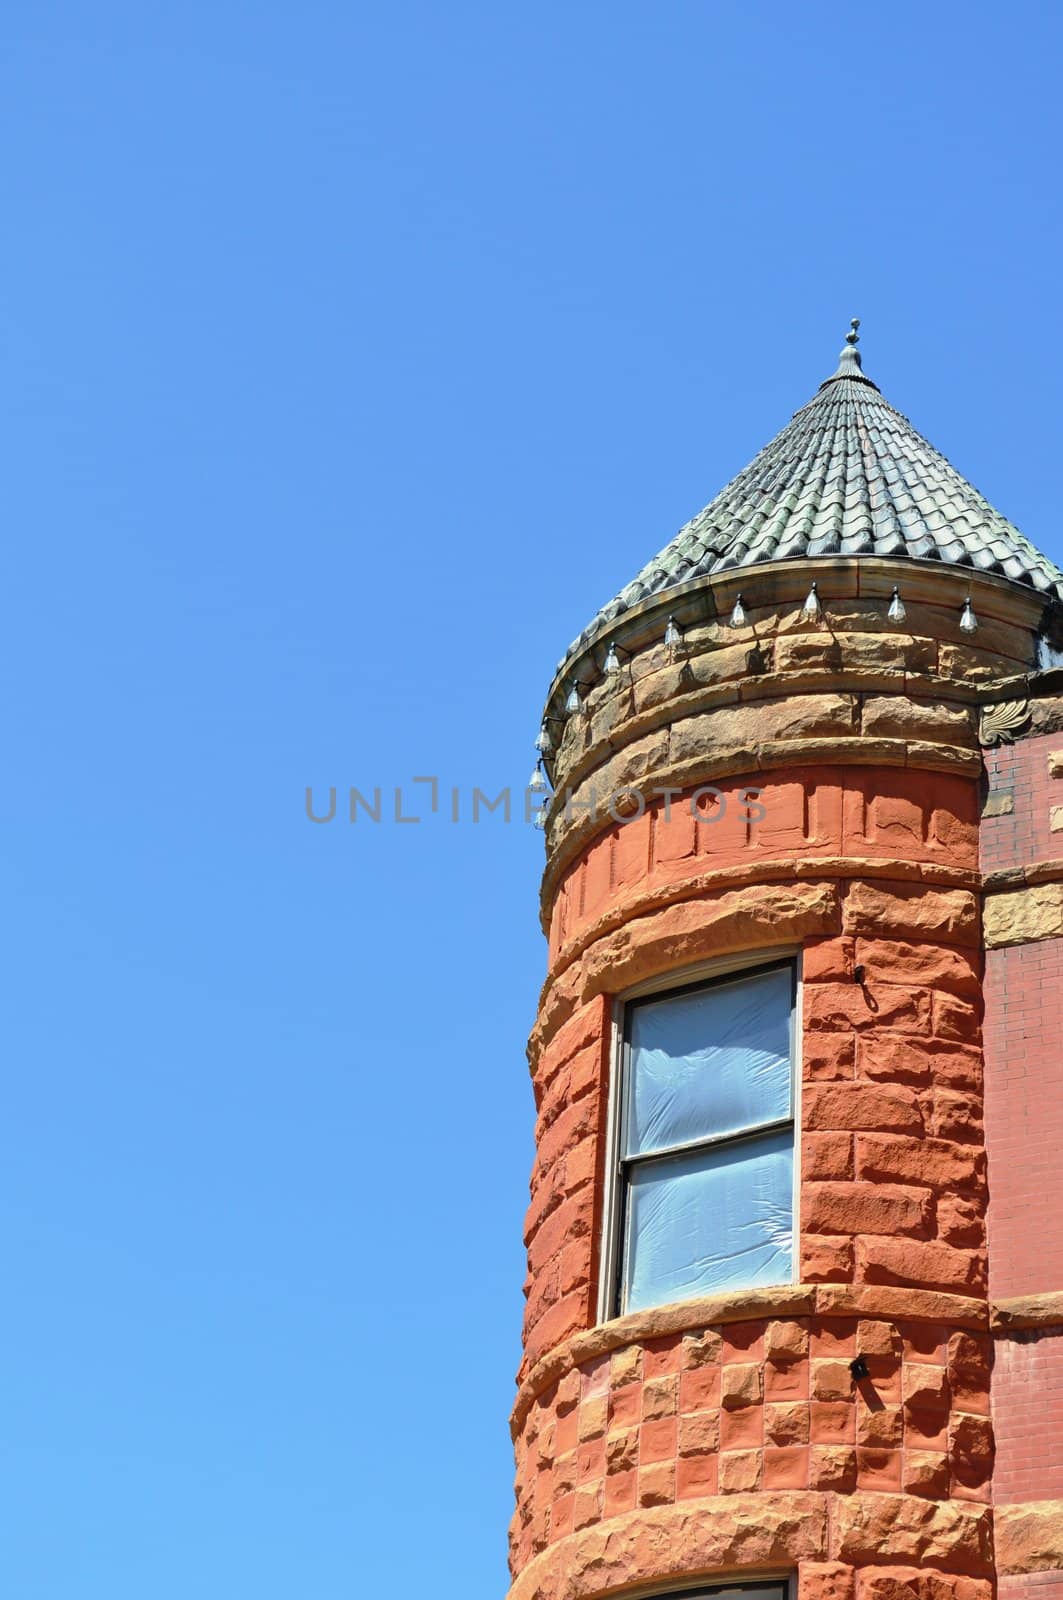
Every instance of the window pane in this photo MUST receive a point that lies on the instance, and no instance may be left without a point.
(709, 1220)
(709, 1062)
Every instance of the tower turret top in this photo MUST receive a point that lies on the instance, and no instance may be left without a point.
(847, 476)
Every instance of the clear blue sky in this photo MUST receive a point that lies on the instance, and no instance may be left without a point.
(352, 356)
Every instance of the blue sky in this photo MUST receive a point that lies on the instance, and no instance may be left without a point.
(352, 357)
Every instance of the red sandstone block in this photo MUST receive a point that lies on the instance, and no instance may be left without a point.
(861, 1208)
(926, 1430)
(875, 1338)
(893, 1059)
(621, 1492)
(588, 1507)
(657, 1484)
(785, 1468)
(742, 1341)
(787, 1422)
(657, 1440)
(554, 1326)
(937, 1163)
(878, 1470)
(695, 1476)
(879, 1427)
(839, 1007)
(926, 1473)
(622, 1450)
(826, 1258)
(699, 1390)
(934, 1266)
(739, 1471)
(954, 1019)
(700, 1349)
(831, 1380)
(827, 960)
(590, 1460)
(970, 1449)
(786, 1383)
(827, 1155)
(960, 1221)
(562, 1513)
(925, 1387)
(910, 1583)
(832, 1467)
(951, 1114)
(743, 1429)
(828, 1056)
(741, 1385)
(968, 1366)
(625, 1405)
(931, 966)
(660, 1397)
(834, 1337)
(832, 1421)
(699, 1433)
(825, 1580)
(662, 1356)
(860, 1107)
(785, 1342)
(925, 1341)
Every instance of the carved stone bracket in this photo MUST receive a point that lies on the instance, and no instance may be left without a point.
(1004, 722)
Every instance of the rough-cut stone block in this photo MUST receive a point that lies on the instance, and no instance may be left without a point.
(660, 1397)
(1021, 916)
(827, 1155)
(739, 1471)
(938, 1266)
(926, 1473)
(741, 1384)
(861, 1107)
(826, 1258)
(699, 1433)
(786, 1422)
(826, 1580)
(870, 1528)
(862, 1208)
(832, 1468)
(1029, 1538)
(951, 915)
(785, 1342)
(936, 1163)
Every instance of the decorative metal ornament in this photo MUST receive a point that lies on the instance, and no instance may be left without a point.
(543, 743)
(1004, 722)
(539, 818)
(812, 610)
(672, 634)
(612, 660)
(574, 703)
(968, 620)
(896, 612)
(537, 781)
(738, 618)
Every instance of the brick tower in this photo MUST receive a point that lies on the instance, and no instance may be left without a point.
(794, 1254)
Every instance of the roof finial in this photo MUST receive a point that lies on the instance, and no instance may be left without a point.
(849, 362)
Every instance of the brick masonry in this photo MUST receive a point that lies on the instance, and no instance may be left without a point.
(657, 1452)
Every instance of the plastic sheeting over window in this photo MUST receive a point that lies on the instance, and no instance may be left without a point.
(714, 1219)
(710, 1062)
(708, 1201)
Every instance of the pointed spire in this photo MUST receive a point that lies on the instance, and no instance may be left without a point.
(850, 363)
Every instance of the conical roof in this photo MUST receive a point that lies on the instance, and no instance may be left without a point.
(848, 475)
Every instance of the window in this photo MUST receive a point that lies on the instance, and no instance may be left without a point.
(703, 1180)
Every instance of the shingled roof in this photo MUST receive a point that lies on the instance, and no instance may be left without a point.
(848, 475)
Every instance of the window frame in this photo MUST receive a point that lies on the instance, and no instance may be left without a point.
(706, 975)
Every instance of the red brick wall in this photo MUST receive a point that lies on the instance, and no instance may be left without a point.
(1020, 773)
(1023, 1032)
(1028, 1408)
